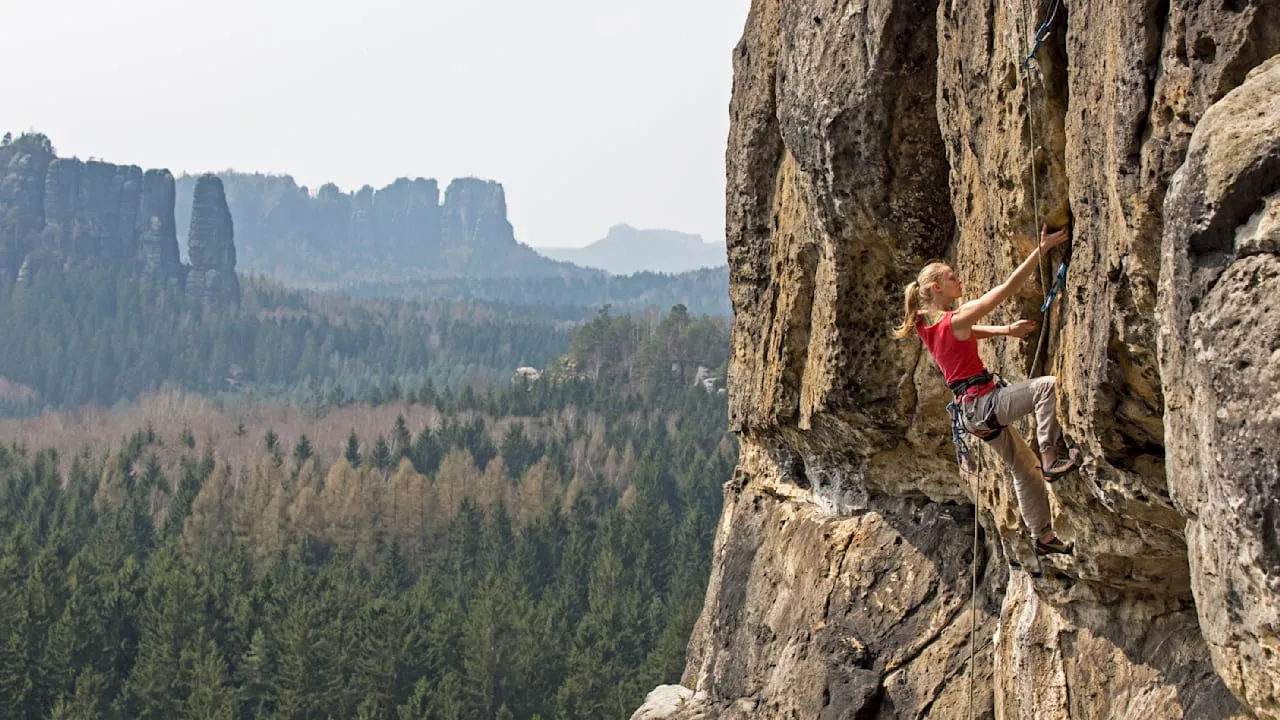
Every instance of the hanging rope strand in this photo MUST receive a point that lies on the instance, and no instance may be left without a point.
(973, 588)
(1040, 35)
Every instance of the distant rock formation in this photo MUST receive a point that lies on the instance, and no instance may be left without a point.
(626, 250)
(398, 212)
(95, 209)
(212, 277)
(23, 165)
(401, 232)
(475, 215)
(157, 233)
(63, 210)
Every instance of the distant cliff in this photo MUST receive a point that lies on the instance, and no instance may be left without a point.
(626, 250)
(64, 210)
(401, 232)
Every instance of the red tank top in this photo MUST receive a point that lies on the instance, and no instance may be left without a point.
(958, 359)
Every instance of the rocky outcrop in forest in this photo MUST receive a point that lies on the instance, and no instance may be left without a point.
(210, 248)
(60, 210)
(870, 137)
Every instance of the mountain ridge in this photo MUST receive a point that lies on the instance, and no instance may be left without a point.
(625, 250)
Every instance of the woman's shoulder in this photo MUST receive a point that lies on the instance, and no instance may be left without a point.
(923, 319)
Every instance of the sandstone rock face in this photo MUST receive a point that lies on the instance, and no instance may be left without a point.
(407, 213)
(22, 181)
(157, 232)
(868, 136)
(474, 214)
(91, 209)
(210, 246)
(1220, 353)
(400, 233)
(54, 211)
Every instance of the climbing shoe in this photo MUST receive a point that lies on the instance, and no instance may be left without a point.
(1054, 546)
(1062, 466)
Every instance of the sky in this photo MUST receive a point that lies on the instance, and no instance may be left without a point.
(589, 112)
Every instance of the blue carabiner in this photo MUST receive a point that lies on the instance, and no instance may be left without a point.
(1057, 285)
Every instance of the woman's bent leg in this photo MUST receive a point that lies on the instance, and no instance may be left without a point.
(1028, 483)
(1036, 394)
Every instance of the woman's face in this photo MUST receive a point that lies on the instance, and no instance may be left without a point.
(948, 286)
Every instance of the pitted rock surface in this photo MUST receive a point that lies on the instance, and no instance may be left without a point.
(868, 137)
(1220, 349)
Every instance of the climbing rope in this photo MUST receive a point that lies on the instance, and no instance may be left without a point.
(963, 452)
(965, 459)
(973, 587)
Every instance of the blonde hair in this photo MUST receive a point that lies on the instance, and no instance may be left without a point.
(918, 294)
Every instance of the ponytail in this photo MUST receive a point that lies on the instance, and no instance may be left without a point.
(916, 294)
(911, 307)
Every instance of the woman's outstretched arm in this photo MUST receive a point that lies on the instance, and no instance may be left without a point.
(971, 312)
(1019, 329)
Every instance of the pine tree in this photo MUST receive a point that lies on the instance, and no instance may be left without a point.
(86, 703)
(401, 439)
(301, 451)
(258, 669)
(382, 455)
(518, 451)
(352, 453)
(211, 695)
(417, 707)
(209, 531)
(426, 452)
(169, 621)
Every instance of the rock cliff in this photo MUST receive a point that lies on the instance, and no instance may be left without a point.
(869, 136)
(403, 231)
(210, 247)
(23, 166)
(64, 210)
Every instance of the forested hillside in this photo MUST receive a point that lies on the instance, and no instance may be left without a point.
(539, 550)
(702, 291)
(98, 335)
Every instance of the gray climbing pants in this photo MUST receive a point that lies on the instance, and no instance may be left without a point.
(1011, 403)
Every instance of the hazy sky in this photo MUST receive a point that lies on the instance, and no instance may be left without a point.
(589, 112)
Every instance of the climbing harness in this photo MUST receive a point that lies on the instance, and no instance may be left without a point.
(964, 422)
(964, 457)
(966, 419)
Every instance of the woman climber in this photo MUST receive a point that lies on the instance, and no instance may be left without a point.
(985, 406)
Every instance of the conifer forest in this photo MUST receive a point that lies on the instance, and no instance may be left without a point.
(325, 507)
